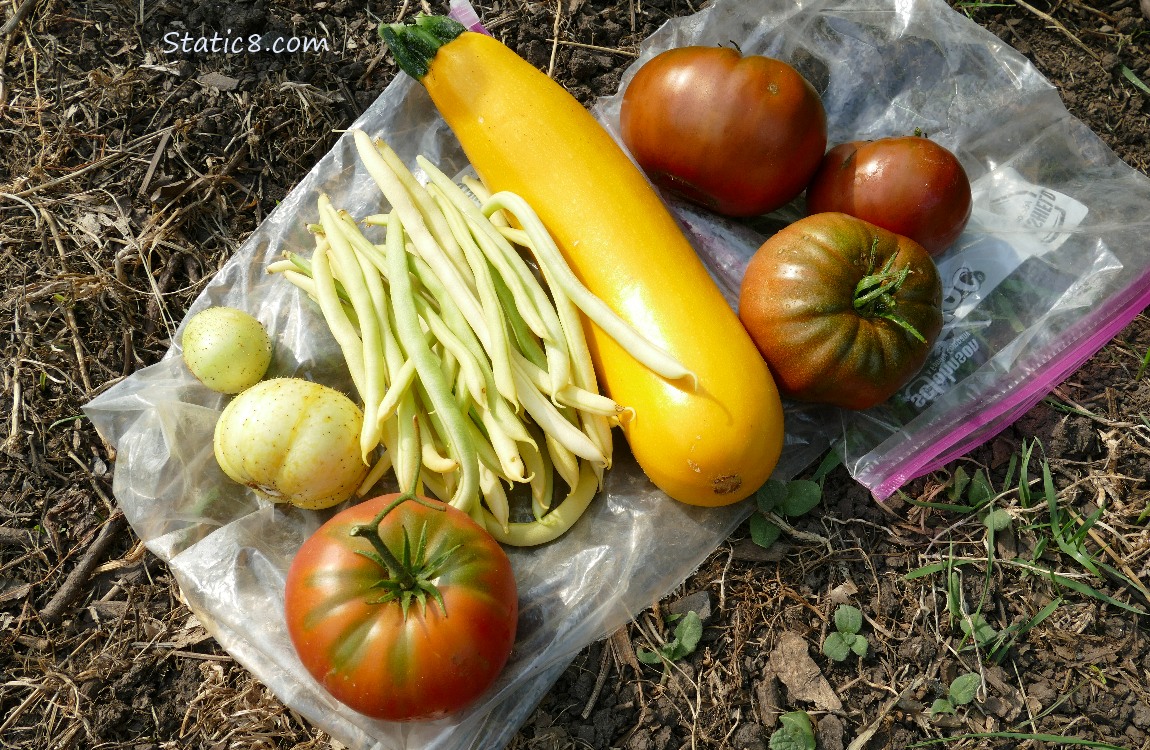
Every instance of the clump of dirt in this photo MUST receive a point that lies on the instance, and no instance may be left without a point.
(131, 171)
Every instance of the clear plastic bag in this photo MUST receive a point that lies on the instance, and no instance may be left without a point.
(882, 67)
(1052, 264)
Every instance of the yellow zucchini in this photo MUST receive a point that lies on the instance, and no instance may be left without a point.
(708, 444)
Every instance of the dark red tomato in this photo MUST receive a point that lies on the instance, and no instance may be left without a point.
(389, 649)
(843, 311)
(741, 135)
(909, 185)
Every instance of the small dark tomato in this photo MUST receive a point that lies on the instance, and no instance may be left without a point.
(909, 185)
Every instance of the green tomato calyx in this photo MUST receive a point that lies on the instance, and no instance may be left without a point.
(411, 575)
(875, 294)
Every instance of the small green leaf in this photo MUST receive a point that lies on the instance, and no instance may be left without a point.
(836, 646)
(848, 619)
(802, 496)
(978, 628)
(763, 532)
(941, 706)
(998, 520)
(648, 657)
(979, 492)
(953, 594)
(794, 733)
(961, 480)
(687, 635)
(860, 645)
(964, 688)
(771, 495)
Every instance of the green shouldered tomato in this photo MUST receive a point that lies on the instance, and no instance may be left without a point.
(844, 312)
(414, 629)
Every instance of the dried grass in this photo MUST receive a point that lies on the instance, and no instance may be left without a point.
(125, 182)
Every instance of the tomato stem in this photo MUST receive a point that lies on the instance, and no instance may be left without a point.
(410, 575)
(874, 295)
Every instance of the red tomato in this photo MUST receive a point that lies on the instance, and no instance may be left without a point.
(399, 656)
(909, 185)
(843, 311)
(739, 135)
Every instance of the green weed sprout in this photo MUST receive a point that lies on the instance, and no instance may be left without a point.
(845, 639)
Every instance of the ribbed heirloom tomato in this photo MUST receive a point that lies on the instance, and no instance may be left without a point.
(843, 311)
(741, 135)
(909, 185)
(402, 607)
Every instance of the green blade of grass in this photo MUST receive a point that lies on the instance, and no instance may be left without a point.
(830, 461)
(933, 568)
(1024, 496)
(953, 590)
(1008, 637)
(1058, 528)
(977, 5)
(1124, 579)
(1142, 369)
(1051, 738)
(986, 583)
(1090, 591)
(1039, 550)
(1134, 79)
(1011, 467)
(1087, 524)
(939, 506)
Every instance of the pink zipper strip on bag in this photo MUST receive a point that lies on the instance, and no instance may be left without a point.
(462, 11)
(894, 472)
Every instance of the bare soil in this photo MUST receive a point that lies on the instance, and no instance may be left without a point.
(129, 174)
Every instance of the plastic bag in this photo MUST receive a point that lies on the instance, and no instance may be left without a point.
(882, 67)
(1052, 264)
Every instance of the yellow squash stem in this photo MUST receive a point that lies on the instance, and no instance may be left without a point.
(709, 443)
